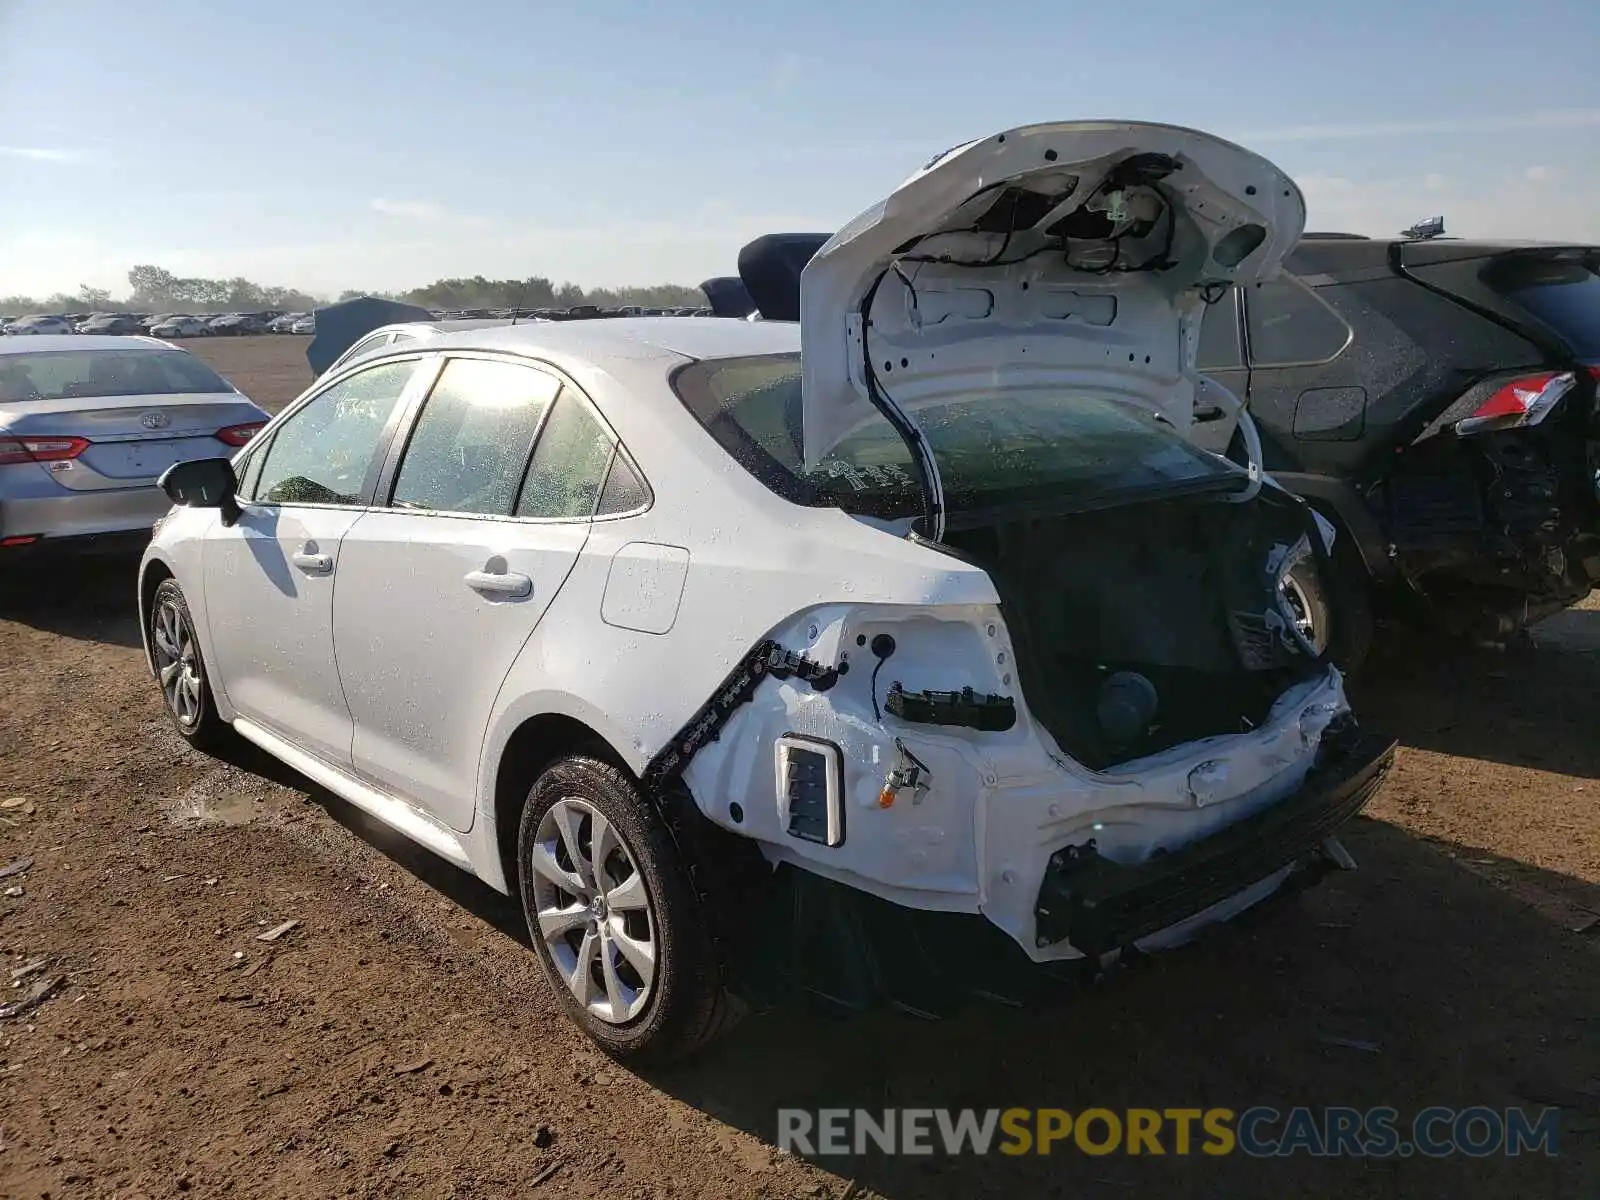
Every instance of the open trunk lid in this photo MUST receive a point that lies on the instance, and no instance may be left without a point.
(1074, 256)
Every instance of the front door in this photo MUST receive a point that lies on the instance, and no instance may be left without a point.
(270, 578)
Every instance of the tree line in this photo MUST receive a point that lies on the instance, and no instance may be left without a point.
(155, 289)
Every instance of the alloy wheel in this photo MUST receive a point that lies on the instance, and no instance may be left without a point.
(594, 911)
(1305, 611)
(178, 665)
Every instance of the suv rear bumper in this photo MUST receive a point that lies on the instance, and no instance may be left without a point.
(1098, 905)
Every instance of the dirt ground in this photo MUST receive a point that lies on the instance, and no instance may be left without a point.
(399, 1041)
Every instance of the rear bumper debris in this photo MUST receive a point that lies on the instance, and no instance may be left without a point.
(1098, 905)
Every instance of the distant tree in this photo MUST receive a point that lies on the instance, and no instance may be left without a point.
(151, 286)
(155, 289)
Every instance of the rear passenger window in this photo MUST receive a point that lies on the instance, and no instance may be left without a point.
(625, 491)
(569, 464)
(1219, 335)
(470, 445)
(1289, 325)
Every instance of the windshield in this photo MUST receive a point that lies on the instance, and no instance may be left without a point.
(1065, 448)
(1562, 294)
(69, 375)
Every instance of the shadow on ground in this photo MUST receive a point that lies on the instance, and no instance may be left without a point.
(1534, 706)
(89, 598)
(503, 913)
(1409, 983)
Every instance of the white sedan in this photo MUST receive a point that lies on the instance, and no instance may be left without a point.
(40, 326)
(926, 599)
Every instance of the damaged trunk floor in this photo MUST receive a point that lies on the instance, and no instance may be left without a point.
(399, 1040)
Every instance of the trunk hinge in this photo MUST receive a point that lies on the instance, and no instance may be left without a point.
(927, 468)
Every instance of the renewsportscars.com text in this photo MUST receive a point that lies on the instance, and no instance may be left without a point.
(1260, 1131)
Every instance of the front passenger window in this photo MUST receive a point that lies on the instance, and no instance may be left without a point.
(322, 454)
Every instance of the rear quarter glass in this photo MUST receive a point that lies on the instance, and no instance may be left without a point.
(1563, 296)
(1548, 296)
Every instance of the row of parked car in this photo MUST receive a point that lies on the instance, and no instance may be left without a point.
(181, 325)
(186, 325)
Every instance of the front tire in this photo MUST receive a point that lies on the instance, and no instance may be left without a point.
(614, 916)
(181, 670)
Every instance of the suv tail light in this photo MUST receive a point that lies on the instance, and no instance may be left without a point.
(239, 435)
(40, 449)
(1520, 403)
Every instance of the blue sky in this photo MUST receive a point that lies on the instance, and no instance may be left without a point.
(382, 145)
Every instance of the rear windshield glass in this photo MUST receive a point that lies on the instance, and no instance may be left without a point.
(1563, 294)
(69, 375)
(1064, 447)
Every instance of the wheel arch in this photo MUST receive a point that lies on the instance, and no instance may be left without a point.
(535, 743)
(1354, 518)
(155, 572)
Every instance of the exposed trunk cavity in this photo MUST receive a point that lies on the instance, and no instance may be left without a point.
(1149, 625)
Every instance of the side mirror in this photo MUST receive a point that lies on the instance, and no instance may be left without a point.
(203, 483)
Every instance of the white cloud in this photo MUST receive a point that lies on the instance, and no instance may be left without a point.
(1540, 174)
(416, 210)
(1554, 119)
(41, 154)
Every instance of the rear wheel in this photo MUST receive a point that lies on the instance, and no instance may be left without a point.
(1332, 608)
(181, 671)
(614, 916)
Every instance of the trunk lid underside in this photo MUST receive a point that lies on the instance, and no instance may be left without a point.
(1069, 255)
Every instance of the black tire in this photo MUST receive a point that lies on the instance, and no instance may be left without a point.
(198, 725)
(685, 1004)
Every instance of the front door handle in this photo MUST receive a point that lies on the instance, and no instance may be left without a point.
(313, 564)
(507, 585)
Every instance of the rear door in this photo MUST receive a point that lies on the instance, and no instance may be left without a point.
(487, 507)
(270, 577)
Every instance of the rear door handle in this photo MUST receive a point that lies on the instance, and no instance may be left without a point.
(506, 584)
(313, 564)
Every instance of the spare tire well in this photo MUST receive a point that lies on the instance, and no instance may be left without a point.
(537, 742)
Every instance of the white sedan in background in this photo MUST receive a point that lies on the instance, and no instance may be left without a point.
(926, 598)
(40, 327)
(181, 327)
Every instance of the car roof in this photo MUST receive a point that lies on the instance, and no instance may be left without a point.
(45, 343)
(1333, 254)
(634, 338)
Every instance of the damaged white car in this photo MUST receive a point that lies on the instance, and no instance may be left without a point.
(930, 598)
